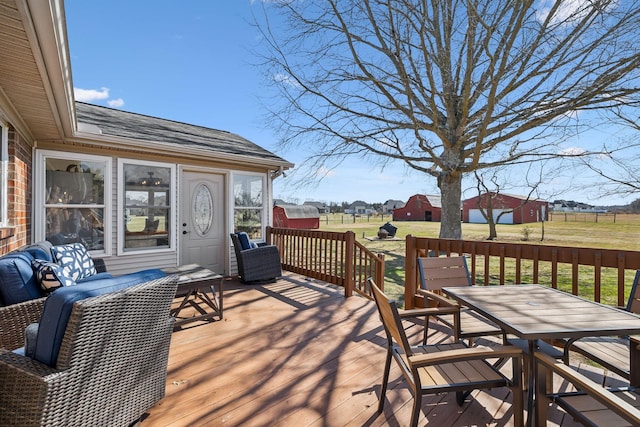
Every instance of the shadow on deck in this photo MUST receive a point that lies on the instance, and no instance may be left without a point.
(297, 353)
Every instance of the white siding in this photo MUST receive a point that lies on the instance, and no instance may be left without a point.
(475, 217)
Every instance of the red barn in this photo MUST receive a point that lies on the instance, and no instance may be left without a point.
(296, 216)
(420, 207)
(519, 209)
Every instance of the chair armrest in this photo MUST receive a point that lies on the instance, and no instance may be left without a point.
(10, 361)
(440, 299)
(430, 311)
(25, 380)
(586, 385)
(15, 318)
(465, 353)
(101, 267)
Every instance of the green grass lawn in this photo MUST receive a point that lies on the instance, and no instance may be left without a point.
(578, 231)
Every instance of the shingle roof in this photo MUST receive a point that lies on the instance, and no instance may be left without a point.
(300, 211)
(118, 123)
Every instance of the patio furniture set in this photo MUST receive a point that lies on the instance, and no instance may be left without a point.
(79, 346)
(531, 316)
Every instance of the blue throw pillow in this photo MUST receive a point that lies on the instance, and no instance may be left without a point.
(76, 259)
(50, 275)
(245, 243)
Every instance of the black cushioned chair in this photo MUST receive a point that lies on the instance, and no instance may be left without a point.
(257, 264)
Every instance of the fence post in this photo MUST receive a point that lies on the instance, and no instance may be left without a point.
(410, 262)
(350, 243)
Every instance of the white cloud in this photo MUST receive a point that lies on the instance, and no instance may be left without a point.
(88, 95)
(572, 151)
(283, 78)
(115, 103)
(569, 11)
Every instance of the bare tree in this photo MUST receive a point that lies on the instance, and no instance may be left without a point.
(447, 86)
(618, 164)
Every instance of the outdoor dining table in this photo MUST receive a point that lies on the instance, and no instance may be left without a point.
(535, 312)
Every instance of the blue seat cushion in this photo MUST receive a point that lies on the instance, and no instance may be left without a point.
(245, 243)
(58, 306)
(97, 276)
(17, 281)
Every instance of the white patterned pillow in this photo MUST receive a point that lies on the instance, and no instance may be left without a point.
(76, 259)
(50, 275)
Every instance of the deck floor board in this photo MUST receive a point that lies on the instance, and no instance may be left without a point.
(297, 353)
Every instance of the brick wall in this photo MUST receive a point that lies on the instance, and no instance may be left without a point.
(19, 194)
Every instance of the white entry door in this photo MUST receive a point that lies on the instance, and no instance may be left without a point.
(201, 225)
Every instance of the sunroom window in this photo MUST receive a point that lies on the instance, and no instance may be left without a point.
(147, 202)
(74, 199)
(248, 192)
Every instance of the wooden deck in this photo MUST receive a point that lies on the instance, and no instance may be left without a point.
(297, 353)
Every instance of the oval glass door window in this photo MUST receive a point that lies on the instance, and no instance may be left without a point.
(202, 209)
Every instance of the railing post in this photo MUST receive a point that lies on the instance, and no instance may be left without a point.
(379, 278)
(409, 272)
(350, 246)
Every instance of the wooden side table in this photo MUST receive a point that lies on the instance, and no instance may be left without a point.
(196, 286)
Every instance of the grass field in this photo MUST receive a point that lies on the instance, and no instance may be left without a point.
(577, 230)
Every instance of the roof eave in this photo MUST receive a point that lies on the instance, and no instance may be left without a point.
(46, 29)
(169, 149)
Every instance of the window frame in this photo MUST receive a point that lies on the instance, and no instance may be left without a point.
(264, 207)
(40, 209)
(121, 221)
(4, 175)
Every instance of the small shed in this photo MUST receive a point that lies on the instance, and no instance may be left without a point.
(296, 216)
(420, 207)
(519, 209)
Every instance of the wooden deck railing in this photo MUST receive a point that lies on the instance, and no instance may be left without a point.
(328, 256)
(602, 275)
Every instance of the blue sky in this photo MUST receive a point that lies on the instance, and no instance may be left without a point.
(192, 62)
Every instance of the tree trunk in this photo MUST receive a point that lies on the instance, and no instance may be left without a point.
(493, 232)
(450, 185)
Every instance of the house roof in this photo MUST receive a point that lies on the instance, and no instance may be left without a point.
(300, 211)
(435, 200)
(316, 204)
(108, 122)
(36, 95)
(512, 196)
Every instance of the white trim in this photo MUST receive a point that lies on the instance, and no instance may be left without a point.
(39, 185)
(4, 175)
(267, 210)
(120, 224)
(226, 173)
